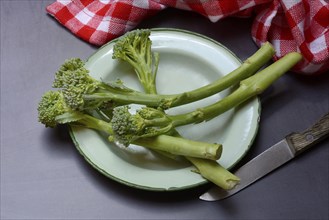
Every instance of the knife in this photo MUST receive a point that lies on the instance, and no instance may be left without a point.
(275, 156)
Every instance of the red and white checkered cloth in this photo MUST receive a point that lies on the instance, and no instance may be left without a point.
(290, 25)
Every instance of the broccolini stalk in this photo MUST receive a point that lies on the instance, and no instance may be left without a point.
(135, 48)
(178, 146)
(148, 122)
(248, 68)
(53, 110)
(215, 173)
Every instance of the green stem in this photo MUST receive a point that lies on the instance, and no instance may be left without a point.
(128, 98)
(246, 69)
(215, 173)
(95, 123)
(182, 146)
(248, 88)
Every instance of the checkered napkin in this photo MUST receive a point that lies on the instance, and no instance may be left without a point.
(290, 25)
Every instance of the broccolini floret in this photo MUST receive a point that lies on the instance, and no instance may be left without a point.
(74, 80)
(52, 105)
(63, 75)
(147, 122)
(53, 110)
(135, 48)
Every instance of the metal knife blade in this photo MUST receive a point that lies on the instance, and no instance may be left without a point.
(272, 158)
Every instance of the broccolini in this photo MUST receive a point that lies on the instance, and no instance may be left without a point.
(53, 110)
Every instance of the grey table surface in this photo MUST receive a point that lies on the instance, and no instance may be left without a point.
(44, 177)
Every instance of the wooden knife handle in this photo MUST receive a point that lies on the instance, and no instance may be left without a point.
(304, 140)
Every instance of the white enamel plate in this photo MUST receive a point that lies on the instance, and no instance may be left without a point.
(187, 61)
